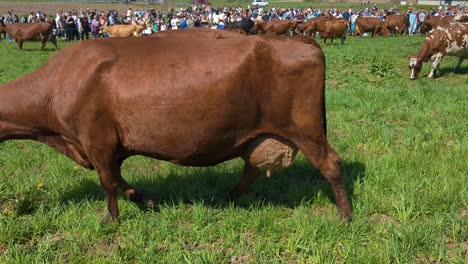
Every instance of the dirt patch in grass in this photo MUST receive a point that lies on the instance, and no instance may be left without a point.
(464, 215)
(382, 219)
(240, 259)
(3, 249)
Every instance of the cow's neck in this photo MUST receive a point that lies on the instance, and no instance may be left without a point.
(424, 52)
(22, 114)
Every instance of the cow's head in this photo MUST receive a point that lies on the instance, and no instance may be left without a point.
(385, 31)
(415, 65)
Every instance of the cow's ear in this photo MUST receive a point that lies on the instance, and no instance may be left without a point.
(410, 56)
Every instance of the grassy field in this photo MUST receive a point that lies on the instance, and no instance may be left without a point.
(403, 143)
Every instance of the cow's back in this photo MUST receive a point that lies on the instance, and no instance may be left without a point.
(187, 99)
(29, 31)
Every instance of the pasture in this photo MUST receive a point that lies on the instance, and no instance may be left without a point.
(403, 144)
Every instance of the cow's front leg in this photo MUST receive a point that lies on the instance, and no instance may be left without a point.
(435, 65)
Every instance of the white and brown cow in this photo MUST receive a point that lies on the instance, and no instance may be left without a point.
(448, 40)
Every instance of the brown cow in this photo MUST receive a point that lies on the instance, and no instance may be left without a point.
(449, 40)
(259, 27)
(124, 30)
(369, 24)
(396, 24)
(309, 27)
(264, 105)
(20, 32)
(328, 27)
(281, 27)
(276, 27)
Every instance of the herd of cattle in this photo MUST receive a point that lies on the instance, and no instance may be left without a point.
(263, 106)
(440, 38)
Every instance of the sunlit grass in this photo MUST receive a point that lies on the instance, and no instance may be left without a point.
(403, 145)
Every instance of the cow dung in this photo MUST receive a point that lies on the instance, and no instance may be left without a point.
(270, 152)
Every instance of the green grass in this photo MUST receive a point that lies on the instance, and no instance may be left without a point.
(404, 147)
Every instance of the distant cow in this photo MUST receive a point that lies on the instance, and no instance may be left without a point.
(310, 26)
(396, 24)
(448, 40)
(431, 22)
(275, 27)
(328, 27)
(20, 32)
(369, 24)
(124, 30)
(264, 105)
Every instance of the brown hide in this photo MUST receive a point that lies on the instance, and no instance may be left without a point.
(396, 24)
(200, 33)
(431, 22)
(277, 27)
(368, 24)
(259, 27)
(310, 26)
(194, 111)
(20, 32)
(280, 27)
(124, 30)
(328, 27)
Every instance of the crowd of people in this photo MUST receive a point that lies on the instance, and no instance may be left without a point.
(80, 24)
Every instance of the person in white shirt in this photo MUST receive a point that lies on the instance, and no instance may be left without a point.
(174, 22)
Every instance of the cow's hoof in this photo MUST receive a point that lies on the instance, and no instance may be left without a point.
(142, 198)
(232, 196)
(108, 220)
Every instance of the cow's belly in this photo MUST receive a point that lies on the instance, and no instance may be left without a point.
(192, 141)
(458, 51)
(191, 130)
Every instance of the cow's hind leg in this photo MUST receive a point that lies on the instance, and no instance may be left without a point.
(323, 157)
(43, 41)
(20, 43)
(457, 67)
(53, 40)
(248, 177)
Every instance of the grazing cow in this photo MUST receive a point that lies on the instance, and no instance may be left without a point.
(20, 32)
(124, 30)
(369, 24)
(448, 40)
(396, 24)
(276, 27)
(264, 105)
(328, 27)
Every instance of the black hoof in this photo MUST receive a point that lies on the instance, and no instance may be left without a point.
(143, 198)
